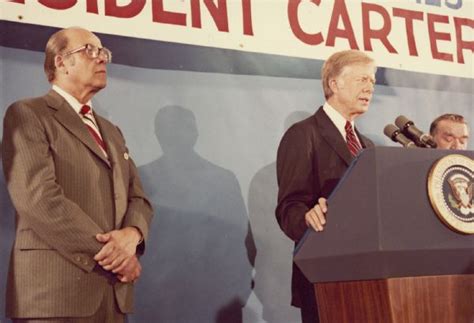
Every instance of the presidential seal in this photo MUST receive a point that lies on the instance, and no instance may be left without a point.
(450, 189)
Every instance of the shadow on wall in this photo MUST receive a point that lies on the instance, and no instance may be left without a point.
(7, 232)
(200, 253)
(273, 263)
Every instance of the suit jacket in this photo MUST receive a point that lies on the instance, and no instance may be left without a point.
(311, 159)
(65, 191)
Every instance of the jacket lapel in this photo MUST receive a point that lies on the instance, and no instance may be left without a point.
(66, 115)
(115, 154)
(106, 131)
(366, 143)
(332, 136)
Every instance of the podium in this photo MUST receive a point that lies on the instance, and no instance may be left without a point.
(384, 255)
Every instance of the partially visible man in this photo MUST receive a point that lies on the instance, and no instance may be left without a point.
(314, 154)
(450, 131)
(81, 213)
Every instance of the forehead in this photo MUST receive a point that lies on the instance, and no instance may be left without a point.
(359, 69)
(450, 126)
(79, 37)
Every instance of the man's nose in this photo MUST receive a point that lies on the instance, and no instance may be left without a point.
(456, 144)
(102, 57)
(369, 88)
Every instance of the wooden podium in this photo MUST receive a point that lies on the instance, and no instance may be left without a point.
(384, 255)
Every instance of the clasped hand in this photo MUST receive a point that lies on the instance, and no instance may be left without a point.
(118, 254)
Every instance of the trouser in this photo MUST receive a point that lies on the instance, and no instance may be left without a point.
(108, 312)
(309, 309)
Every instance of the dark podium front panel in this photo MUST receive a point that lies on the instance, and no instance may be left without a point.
(380, 223)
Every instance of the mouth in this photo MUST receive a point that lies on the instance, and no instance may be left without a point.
(101, 72)
(365, 101)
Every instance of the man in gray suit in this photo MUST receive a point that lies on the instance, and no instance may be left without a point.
(81, 213)
(314, 154)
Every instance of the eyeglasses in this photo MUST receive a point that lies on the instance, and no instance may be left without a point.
(92, 52)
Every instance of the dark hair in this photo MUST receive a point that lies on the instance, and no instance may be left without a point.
(448, 116)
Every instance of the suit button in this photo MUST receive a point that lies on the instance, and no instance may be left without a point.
(78, 258)
(86, 262)
(116, 196)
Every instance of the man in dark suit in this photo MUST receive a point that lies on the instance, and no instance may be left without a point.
(314, 154)
(81, 214)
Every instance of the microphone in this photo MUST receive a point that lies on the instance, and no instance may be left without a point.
(394, 133)
(411, 131)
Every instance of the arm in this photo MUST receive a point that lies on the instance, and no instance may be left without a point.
(40, 202)
(122, 245)
(299, 187)
(139, 211)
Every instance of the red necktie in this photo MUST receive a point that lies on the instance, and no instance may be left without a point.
(352, 143)
(86, 114)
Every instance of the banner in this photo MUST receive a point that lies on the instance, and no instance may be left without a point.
(428, 36)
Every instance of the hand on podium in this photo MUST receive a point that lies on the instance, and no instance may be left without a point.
(316, 216)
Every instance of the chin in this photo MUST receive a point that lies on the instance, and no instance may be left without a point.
(363, 109)
(100, 85)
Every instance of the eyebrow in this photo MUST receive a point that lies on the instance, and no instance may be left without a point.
(447, 133)
(365, 76)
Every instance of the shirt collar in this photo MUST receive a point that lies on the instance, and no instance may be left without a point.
(337, 118)
(76, 105)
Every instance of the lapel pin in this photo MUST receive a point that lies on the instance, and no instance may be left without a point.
(125, 155)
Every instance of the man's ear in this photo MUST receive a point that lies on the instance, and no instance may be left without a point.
(333, 85)
(60, 65)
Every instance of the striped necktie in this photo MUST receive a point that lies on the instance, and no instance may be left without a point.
(88, 119)
(352, 143)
